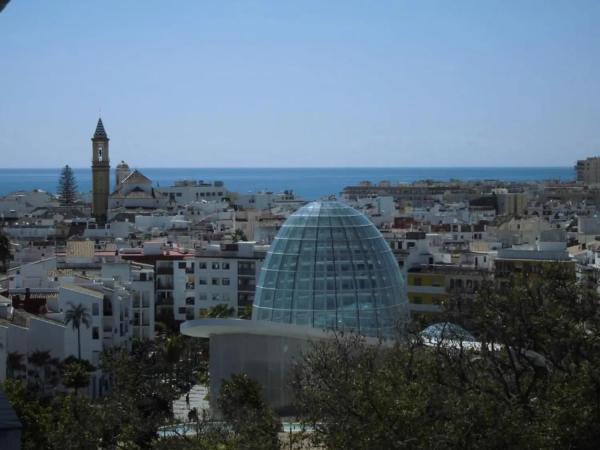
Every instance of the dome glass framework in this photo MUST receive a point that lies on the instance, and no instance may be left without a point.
(330, 268)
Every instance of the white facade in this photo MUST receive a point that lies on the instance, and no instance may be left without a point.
(218, 275)
(139, 279)
(185, 192)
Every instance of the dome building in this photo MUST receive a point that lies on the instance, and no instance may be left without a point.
(330, 268)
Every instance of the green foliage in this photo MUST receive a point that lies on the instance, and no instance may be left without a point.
(245, 312)
(239, 235)
(219, 311)
(75, 375)
(254, 424)
(532, 382)
(359, 395)
(34, 416)
(145, 382)
(67, 187)
(60, 422)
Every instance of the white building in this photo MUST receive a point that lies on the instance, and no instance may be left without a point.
(109, 310)
(139, 279)
(184, 192)
(219, 274)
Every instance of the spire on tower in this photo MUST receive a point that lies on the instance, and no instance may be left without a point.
(100, 132)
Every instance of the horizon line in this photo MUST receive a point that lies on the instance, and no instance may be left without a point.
(305, 167)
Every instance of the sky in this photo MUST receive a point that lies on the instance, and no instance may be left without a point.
(301, 84)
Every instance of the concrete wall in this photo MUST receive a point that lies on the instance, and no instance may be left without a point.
(266, 359)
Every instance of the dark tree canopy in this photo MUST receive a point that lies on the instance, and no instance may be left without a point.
(253, 422)
(532, 379)
(67, 187)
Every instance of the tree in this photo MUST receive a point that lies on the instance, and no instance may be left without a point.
(354, 394)
(67, 187)
(532, 379)
(143, 387)
(219, 311)
(34, 416)
(245, 312)
(40, 359)
(254, 423)
(4, 252)
(76, 376)
(239, 235)
(77, 316)
(15, 364)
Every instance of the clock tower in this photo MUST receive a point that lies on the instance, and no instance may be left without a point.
(100, 174)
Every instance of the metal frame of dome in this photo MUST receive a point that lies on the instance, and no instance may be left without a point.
(329, 267)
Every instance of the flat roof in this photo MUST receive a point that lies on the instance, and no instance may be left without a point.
(209, 327)
(205, 328)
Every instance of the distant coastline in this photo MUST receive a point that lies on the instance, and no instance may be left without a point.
(309, 183)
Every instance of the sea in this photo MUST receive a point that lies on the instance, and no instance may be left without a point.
(308, 183)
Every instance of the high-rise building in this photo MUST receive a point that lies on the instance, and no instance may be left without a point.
(100, 173)
(588, 170)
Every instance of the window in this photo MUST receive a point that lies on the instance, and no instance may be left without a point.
(418, 281)
(190, 301)
(225, 266)
(181, 265)
(215, 266)
(201, 265)
(95, 309)
(216, 297)
(225, 281)
(201, 280)
(181, 310)
(216, 281)
(95, 333)
(202, 297)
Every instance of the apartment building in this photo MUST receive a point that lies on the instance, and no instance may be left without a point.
(219, 274)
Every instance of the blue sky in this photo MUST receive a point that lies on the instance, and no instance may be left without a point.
(323, 83)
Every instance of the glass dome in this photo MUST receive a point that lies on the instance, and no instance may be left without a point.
(330, 268)
(447, 331)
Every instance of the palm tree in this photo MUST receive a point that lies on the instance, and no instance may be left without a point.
(14, 363)
(76, 316)
(40, 359)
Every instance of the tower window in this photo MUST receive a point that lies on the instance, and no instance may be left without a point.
(99, 153)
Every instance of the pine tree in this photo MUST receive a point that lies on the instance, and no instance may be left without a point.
(67, 187)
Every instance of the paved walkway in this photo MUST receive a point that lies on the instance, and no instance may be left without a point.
(197, 395)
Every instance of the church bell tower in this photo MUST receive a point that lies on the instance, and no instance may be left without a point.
(100, 174)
